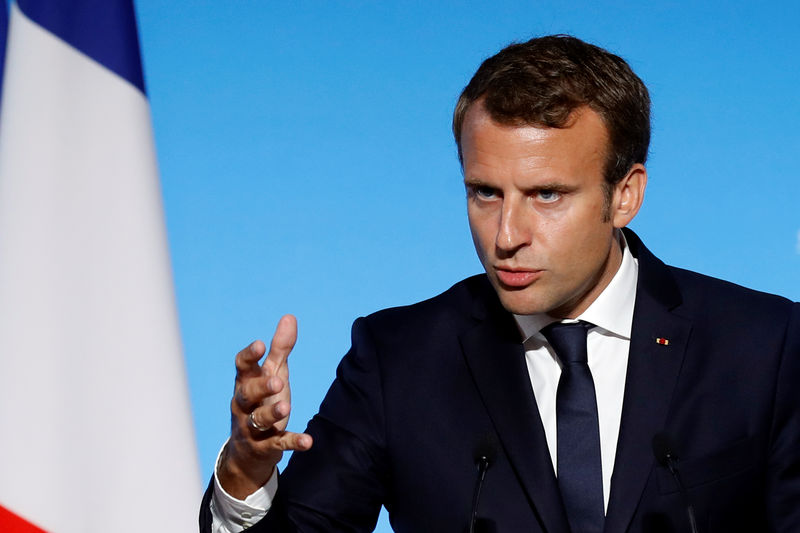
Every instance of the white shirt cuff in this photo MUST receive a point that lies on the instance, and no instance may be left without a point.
(231, 515)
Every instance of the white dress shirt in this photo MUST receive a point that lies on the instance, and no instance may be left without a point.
(607, 344)
(231, 515)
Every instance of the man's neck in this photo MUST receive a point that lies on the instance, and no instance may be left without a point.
(611, 309)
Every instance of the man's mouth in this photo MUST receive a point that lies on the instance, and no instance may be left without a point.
(517, 277)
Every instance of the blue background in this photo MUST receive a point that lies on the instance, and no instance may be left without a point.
(308, 166)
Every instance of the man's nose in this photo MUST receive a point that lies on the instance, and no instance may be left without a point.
(513, 231)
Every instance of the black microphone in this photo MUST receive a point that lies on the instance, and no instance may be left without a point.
(485, 455)
(665, 455)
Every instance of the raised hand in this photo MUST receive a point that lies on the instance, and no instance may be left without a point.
(259, 413)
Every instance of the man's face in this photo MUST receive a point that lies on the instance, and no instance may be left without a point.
(535, 201)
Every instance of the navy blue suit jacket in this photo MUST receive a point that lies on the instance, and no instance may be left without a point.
(424, 385)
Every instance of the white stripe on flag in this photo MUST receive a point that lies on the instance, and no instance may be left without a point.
(96, 429)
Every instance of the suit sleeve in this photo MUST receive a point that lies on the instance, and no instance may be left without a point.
(340, 484)
(783, 475)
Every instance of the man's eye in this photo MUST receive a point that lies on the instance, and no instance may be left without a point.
(485, 193)
(547, 196)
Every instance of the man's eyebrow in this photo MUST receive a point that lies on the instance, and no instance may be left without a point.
(476, 182)
(552, 186)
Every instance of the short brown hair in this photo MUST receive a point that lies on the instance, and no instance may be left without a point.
(542, 81)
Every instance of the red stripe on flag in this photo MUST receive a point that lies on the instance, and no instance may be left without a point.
(11, 523)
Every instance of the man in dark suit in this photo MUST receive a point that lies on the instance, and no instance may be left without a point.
(673, 408)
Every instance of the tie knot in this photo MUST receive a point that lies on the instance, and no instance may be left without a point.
(568, 340)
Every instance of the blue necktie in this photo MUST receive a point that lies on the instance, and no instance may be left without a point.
(580, 475)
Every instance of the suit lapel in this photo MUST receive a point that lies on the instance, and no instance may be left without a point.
(658, 344)
(496, 359)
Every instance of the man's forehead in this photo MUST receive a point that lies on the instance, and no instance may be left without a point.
(484, 138)
(478, 114)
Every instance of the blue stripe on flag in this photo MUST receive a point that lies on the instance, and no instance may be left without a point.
(3, 34)
(105, 30)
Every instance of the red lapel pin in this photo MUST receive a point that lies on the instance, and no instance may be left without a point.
(662, 341)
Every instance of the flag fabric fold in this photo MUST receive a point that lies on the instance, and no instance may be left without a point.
(96, 430)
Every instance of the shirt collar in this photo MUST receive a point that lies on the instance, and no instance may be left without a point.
(612, 310)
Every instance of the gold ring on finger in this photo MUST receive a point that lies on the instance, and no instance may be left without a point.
(255, 425)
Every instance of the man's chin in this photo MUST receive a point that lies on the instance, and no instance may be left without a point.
(519, 301)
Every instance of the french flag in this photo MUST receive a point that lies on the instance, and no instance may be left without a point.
(96, 430)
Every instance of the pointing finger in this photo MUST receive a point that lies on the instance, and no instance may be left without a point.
(283, 340)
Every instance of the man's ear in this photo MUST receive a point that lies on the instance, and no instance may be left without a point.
(628, 196)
